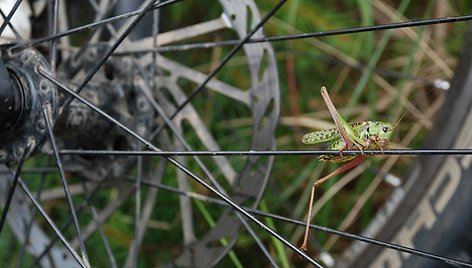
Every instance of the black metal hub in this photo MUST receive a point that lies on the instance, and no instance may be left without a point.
(11, 100)
(113, 91)
(24, 94)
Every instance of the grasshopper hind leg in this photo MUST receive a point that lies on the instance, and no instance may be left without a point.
(355, 162)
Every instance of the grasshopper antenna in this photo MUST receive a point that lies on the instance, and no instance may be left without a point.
(436, 84)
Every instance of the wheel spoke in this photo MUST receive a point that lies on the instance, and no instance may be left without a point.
(313, 226)
(90, 25)
(148, 206)
(29, 226)
(65, 184)
(58, 233)
(7, 19)
(201, 132)
(250, 41)
(53, 8)
(137, 216)
(6, 207)
(179, 166)
(105, 213)
(124, 34)
(187, 223)
(103, 237)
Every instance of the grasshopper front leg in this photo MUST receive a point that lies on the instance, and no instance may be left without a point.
(355, 162)
(348, 135)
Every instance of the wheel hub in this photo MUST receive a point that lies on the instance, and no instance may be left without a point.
(24, 94)
(113, 91)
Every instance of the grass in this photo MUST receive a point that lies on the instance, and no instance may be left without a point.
(359, 92)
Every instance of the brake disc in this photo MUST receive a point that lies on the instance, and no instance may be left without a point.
(116, 91)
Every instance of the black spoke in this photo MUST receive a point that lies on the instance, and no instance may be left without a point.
(137, 212)
(7, 19)
(6, 207)
(13, 29)
(93, 107)
(53, 7)
(147, 92)
(313, 226)
(96, 31)
(110, 50)
(64, 227)
(179, 166)
(406, 24)
(58, 233)
(103, 237)
(463, 151)
(372, 28)
(91, 25)
(31, 221)
(65, 184)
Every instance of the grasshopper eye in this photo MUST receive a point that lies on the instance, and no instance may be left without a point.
(368, 130)
(385, 129)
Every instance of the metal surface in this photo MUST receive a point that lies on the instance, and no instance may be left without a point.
(113, 91)
(10, 99)
(24, 127)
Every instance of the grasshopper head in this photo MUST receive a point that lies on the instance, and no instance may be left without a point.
(386, 131)
(380, 130)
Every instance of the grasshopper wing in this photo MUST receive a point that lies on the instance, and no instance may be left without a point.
(321, 136)
(327, 135)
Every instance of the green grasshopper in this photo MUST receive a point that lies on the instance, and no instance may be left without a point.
(369, 135)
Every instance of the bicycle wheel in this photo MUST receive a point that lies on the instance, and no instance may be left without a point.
(117, 198)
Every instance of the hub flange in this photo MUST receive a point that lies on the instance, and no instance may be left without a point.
(24, 94)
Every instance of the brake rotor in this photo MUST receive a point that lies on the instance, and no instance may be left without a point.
(115, 91)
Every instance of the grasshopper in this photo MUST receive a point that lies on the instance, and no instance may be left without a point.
(369, 135)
